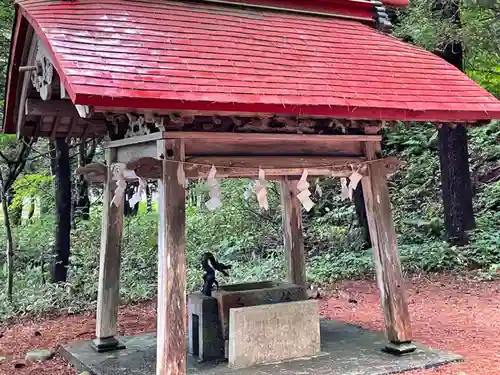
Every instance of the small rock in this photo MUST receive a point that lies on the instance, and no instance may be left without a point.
(39, 355)
(461, 373)
(85, 373)
(19, 365)
(2, 359)
(352, 300)
(37, 333)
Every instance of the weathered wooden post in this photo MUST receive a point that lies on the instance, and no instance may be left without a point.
(109, 266)
(385, 254)
(292, 233)
(171, 315)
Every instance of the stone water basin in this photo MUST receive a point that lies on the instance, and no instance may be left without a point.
(253, 294)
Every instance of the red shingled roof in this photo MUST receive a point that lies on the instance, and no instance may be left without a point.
(204, 56)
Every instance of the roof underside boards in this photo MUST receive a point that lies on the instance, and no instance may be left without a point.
(187, 55)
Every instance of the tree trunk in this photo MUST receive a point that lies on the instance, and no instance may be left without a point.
(82, 206)
(149, 200)
(63, 212)
(453, 149)
(10, 246)
(359, 204)
(44, 204)
(456, 183)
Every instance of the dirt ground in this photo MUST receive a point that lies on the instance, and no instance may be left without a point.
(462, 316)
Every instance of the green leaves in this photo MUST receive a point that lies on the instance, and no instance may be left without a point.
(30, 186)
(479, 33)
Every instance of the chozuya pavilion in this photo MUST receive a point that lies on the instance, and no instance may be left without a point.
(263, 89)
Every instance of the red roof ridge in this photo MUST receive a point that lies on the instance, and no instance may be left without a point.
(354, 9)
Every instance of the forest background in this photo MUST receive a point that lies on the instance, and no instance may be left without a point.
(53, 262)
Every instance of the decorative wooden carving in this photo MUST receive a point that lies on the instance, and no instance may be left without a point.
(137, 126)
(141, 125)
(130, 125)
(43, 75)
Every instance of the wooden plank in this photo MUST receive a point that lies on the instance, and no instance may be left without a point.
(292, 233)
(55, 107)
(135, 140)
(109, 266)
(14, 86)
(385, 254)
(248, 167)
(25, 77)
(275, 162)
(127, 153)
(171, 325)
(202, 147)
(269, 137)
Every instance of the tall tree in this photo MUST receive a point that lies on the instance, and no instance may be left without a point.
(63, 211)
(466, 34)
(453, 149)
(10, 169)
(86, 152)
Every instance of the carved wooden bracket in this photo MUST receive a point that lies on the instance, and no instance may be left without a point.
(43, 75)
(146, 168)
(97, 172)
(94, 173)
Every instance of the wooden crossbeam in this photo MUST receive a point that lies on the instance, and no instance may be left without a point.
(243, 167)
(55, 107)
(244, 137)
(248, 167)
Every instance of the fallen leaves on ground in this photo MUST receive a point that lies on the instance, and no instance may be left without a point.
(447, 313)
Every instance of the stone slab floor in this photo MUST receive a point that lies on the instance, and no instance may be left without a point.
(347, 350)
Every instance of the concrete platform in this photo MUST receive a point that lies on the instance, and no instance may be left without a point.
(347, 350)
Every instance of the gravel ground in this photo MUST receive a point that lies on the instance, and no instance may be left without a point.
(448, 313)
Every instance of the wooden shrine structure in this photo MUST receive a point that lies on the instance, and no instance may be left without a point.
(243, 85)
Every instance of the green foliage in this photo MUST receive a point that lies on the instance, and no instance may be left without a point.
(6, 20)
(479, 33)
(30, 186)
(250, 239)
(242, 234)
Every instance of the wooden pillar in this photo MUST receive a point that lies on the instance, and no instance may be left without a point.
(292, 233)
(171, 315)
(385, 255)
(108, 297)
